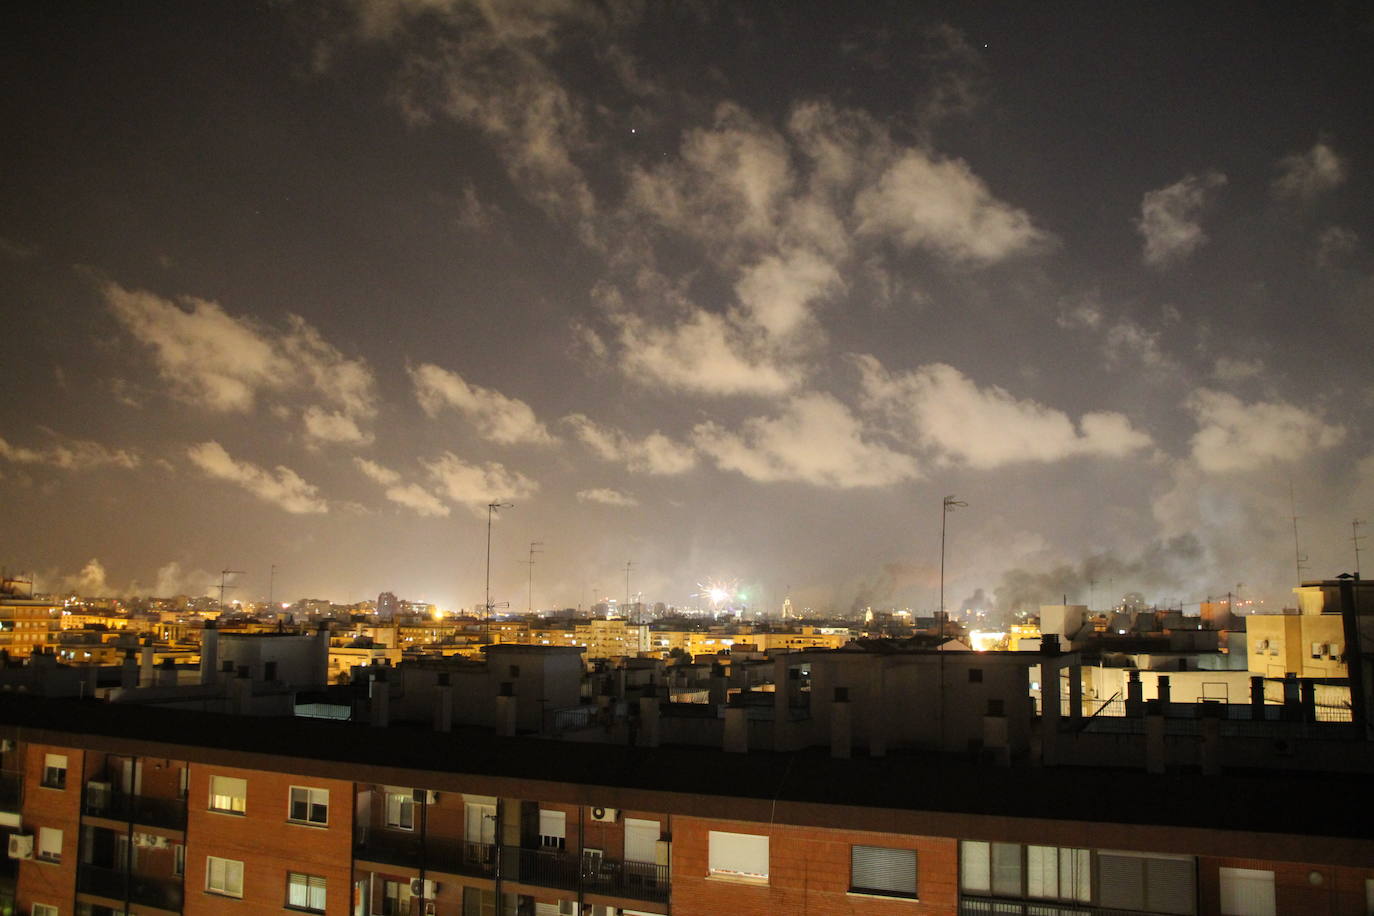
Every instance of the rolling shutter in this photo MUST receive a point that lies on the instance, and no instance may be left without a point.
(877, 870)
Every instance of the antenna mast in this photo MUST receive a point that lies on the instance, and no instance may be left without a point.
(223, 573)
(1355, 538)
(529, 601)
(1299, 558)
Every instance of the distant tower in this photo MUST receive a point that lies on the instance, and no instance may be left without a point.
(387, 606)
(787, 608)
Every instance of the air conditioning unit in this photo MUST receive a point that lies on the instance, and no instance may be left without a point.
(604, 815)
(425, 797)
(6, 745)
(151, 841)
(21, 846)
(423, 888)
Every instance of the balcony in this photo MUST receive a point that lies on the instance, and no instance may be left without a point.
(538, 866)
(592, 874)
(390, 847)
(987, 906)
(476, 860)
(117, 884)
(11, 791)
(167, 813)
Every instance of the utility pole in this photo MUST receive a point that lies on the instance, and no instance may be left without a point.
(1355, 538)
(491, 510)
(223, 573)
(529, 601)
(950, 504)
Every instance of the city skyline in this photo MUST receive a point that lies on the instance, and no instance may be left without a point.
(728, 295)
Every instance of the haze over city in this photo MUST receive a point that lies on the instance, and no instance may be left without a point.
(731, 292)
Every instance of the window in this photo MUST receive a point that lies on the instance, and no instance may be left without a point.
(179, 860)
(876, 870)
(1247, 892)
(395, 898)
(975, 675)
(309, 806)
(1054, 873)
(44, 909)
(49, 844)
(223, 876)
(997, 707)
(1160, 884)
(55, 771)
(975, 876)
(552, 829)
(228, 794)
(400, 810)
(1034, 872)
(738, 855)
(305, 892)
(1006, 869)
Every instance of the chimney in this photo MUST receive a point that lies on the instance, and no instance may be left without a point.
(1257, 698)
(379, 696)
(1210, 747)
(1135, 695)
(1164, 692)
(128, 672)
(321, 672)
(146, 675)
(841, 725)
(443, 703)
(1154, 737)
(209, 652)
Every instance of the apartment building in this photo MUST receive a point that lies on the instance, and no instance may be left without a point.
(113, 809)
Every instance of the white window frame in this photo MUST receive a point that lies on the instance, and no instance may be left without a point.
(228, 794)
(229, 869)
(306, 892)
(553, 829)
(312, 798)
(45, 909)
(54, 771)
(48, 847)
(738, 856)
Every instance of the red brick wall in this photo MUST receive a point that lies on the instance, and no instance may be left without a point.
(46, 882)
(1340, 893)
(267, 843)
(808, 872)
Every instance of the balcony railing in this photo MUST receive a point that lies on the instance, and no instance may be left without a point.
(986, 906)
(168, 813)
(116, 884)
(538, 866)
(392, 847)
(639, 880)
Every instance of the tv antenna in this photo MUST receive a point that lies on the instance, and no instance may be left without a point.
(223, 574)
(1355, 538)
(1299, 558)
(529, 605)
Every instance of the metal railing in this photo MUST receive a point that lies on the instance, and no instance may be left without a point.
(116, 884)
(987, 906)
(538, 866)
(169, 813)
(639, 880)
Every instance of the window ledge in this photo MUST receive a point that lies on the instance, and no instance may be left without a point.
(738, 879)
(223, 895)
(228, 812)
(318, 826)
(874, 895)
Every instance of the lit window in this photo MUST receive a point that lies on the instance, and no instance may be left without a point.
(44, 909)
(738, 855)
(309, 806)
(400, 810)
(50, 844)
(305, 892)
(228, 794)
(1247, 892)
(55, 771)
(223, 876)
(877, 870)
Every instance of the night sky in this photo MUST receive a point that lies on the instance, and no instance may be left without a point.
(733, 291)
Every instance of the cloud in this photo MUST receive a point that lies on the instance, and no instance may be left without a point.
(474, 486)
(1304, 176)
(940, 205)
(607, 497)
(777, 291)
(173, 580)
(71, 455)
(652, 454)
(410, 495)
(1235, 436)
(282, 487)
(1123, 340)
(1169, 218)
(498, 418)
(1334, 244)
(1234, 369)
(987, 428)
(333, 426)
(815, 440)
(225, 364)
(704, 353)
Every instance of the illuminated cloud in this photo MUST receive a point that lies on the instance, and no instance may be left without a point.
(704, 353)
(225, 364)
(1235, 436)
(1170, 218)
(814, 440)
(410, 495)
(474, 486)
(508, 421)
(281, 487)
(986, 428)
(924, 201)
(1307, 175)
(652, 454)
(71, 455)
(607, 497)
